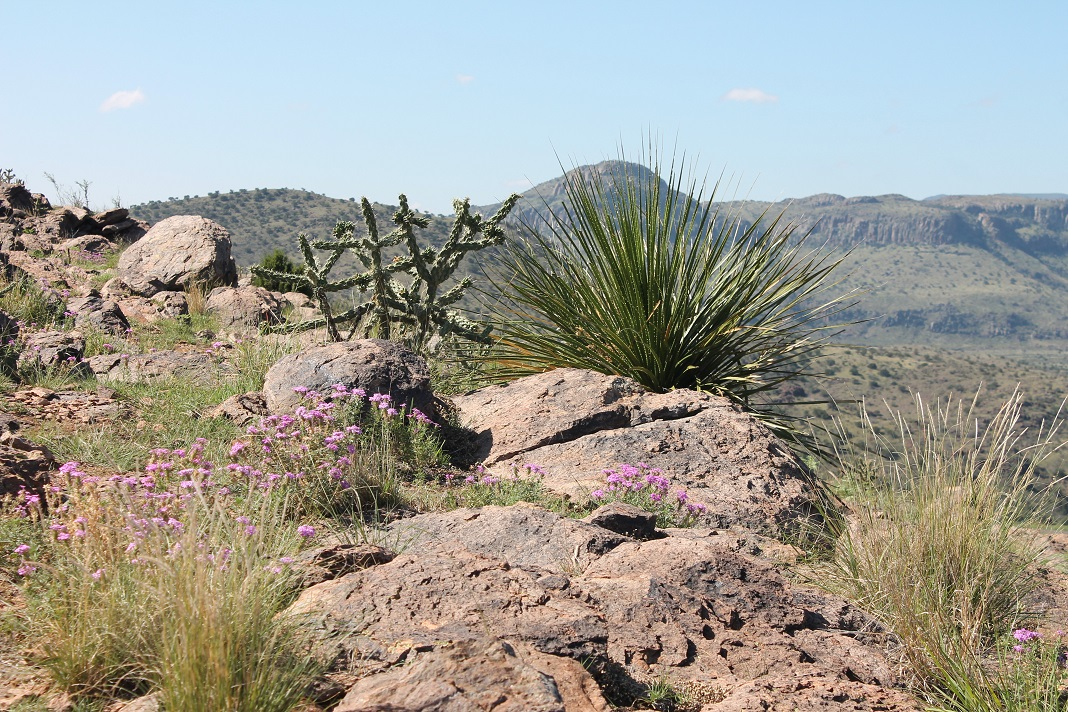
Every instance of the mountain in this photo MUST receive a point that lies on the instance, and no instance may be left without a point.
(964, 272)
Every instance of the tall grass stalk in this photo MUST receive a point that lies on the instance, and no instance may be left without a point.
(940, 550)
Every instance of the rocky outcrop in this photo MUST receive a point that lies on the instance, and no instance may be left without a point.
(247, 307)
(575, 424)
(375, 365)
(158, 365)
(33, 224)
(479, 674)
(689, 608)
(176, 253)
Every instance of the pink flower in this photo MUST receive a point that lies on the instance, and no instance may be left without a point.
(306, 531)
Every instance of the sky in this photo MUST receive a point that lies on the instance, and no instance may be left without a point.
(439, 100)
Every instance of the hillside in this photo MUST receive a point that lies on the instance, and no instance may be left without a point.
(962, 272)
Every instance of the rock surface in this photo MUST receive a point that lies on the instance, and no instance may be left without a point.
(242, 409)
(23, 464)
(575, 424)
(245, 306)
(689, 609)
(481, 674)
(375, 365)
(52, 349)
(158, 365)
(178, 252)
(94, 312)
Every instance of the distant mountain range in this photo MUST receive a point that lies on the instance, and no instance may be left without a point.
(987, 272)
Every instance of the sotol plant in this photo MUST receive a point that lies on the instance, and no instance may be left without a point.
(637, 275)
(421, 307)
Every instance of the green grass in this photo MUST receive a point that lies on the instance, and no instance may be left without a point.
(940, 551)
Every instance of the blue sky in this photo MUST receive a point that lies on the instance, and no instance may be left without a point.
(439, 100)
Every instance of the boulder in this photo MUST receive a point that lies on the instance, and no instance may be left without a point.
(14, 196)
(375, 365)
(480, 674)
(242, 409)
(575, 424)
(692, 610)
(178, 252)
(245, 306)
(159, 365)
(165, 305)
(23, 464)
(100, 314)
(51, 349)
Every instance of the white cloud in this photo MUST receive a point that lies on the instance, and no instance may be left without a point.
(754, 96)
(123, 100)
(464, 78)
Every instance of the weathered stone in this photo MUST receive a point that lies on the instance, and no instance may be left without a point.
(23, 464)
(85, 243)
(112, 216)
(148, 703)
(159, 365)
(327, 563)
(625, 519)
(245, 306)
(178, 252)
(51, 349)
(575, 424)
(165, 305)
(481, 674)
(375, 365)
(92, 311)
(692, 610)
(525, 535)
(242, 409)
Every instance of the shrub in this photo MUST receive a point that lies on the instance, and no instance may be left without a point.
(274, 266)
(639, 277)
(939, 552)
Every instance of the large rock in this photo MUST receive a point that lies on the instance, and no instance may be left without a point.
(45, 350)
(102, 315)
(245, 306)
(178, 252)
(486, 674)
(375, 365)
(575, 424)
(687, 608)
(23, 465)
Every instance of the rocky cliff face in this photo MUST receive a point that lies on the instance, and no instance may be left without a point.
(1036, 224)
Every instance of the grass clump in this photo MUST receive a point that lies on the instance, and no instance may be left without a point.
(141, 585)
(940, 551)
(31, 302)
(637, 275)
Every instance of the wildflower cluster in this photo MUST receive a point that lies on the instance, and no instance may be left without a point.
(1031, 671)
(646, 487)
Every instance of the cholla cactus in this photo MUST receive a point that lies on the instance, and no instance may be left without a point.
(419, 307)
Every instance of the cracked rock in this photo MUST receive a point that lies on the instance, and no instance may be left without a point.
(574, 424)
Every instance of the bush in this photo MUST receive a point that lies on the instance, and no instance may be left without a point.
(639, 277)
(279, 263)
(939, 552)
